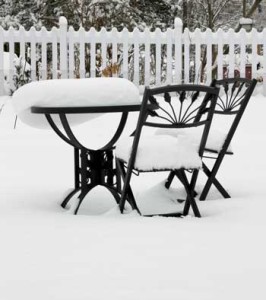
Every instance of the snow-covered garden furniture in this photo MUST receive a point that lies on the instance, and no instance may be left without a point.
(72, 101)
(233, 98)
(178, 107)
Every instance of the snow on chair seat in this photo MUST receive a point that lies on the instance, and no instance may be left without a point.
(215, 141)
(161, 153)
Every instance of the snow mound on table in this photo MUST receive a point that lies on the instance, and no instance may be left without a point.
(74, 93)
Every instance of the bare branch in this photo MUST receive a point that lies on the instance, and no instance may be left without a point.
(220, 7)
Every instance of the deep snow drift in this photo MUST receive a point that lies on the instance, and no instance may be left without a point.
(47, 253)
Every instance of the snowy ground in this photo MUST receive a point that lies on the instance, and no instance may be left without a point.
(47, 253)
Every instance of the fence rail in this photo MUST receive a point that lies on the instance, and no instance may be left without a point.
(146, 58)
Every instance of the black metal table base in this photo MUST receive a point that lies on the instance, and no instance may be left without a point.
(93, 168)
(69, 197)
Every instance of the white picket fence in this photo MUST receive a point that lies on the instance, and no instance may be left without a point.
(146, 58)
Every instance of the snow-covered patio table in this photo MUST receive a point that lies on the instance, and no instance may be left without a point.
(67, 102)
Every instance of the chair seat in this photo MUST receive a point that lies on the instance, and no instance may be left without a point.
(216, 138)
(161, 152)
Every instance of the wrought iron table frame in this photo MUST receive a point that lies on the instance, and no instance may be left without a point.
(91, 167)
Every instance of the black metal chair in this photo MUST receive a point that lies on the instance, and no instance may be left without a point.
(233, 98)
(177, 107)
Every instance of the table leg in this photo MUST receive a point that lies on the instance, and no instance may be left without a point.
(77, 185)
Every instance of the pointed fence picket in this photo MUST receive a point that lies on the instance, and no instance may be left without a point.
(264, 62)
(242, 53)
(145, 57)
(54, 64)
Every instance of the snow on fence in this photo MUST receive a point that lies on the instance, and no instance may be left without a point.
(146, 58)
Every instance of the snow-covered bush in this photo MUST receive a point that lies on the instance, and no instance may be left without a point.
(16, 73)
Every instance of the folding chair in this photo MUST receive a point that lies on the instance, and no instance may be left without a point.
(232, 101)
(177, 107)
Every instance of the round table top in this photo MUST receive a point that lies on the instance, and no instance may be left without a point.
(87, 109)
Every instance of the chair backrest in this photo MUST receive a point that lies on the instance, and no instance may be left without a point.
(233, 98)
(178, 106)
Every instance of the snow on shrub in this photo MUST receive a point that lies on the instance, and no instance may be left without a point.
(18, 69)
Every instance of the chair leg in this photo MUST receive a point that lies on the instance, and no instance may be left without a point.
(127, 193)
(189, 187)
(169, 179)
(220, 188)
(192, 187)
(212, 180)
